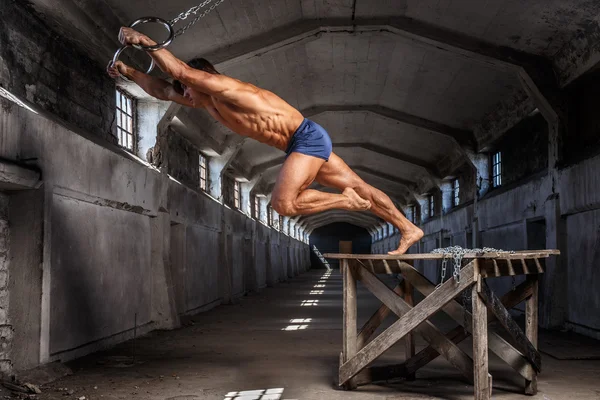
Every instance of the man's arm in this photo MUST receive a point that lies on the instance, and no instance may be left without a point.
(155, 87)
(213, 85)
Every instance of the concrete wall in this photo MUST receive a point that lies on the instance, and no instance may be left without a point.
(109, 244)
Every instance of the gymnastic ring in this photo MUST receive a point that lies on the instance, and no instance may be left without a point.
(157, 20)
(118, 54)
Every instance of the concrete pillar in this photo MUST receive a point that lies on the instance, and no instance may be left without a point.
(216, 167)
(250, 267)
(263, 210)
(475, 236)
(481, 162)
(6, 328)
(276, 218)
(286, 225)
(149, 115)
(225, 261)
(553, 288)
(447, 196)
(270, 261)
(245, 200)
(164, 306)
(246, 192)
(423, 207)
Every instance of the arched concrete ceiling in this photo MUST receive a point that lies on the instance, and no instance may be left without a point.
(540, 27)
(401, 85)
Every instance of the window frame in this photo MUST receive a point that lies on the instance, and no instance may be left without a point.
(431, 205)
(237, 195)
(270, 216)
(496, 174)
(131, 115)
(455, 193)
(203, 181)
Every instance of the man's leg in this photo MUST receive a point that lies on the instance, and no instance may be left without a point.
(338, 175)
(291, 198)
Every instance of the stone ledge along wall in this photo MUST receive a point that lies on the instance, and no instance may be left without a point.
(108, 241)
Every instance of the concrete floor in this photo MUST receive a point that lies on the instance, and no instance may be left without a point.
(247, 347)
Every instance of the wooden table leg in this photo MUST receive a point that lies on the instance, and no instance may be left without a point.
(480, 347)
(409, 340)
(531, 329)
(350, 327)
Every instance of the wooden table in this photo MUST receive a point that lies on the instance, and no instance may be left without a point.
(360, 349)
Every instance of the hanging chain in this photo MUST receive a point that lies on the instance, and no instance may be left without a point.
(194, 10)
(444, 265)
(457, 253)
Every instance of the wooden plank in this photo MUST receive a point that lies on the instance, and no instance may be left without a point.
(480, 349)
(503, 316)
(489, 267)
(525, 267)
(511, 270)
(375, 321)
(455, 310)
(409, 342)
(432, 256)
(407, 323)
(538, 265)
(495, 268)
(531, 330)
(430, 333)
(350, 316)
(429, 354)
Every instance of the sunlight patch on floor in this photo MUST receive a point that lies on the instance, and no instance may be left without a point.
(262, 394)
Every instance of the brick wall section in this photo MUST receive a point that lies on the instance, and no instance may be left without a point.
(175, 155)
(6, 330)
(38, 65)
(524, 149)
(582, 140)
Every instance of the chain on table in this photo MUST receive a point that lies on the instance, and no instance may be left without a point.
(194, 10)
(457, 254)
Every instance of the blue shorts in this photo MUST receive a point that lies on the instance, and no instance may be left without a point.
(311, 139)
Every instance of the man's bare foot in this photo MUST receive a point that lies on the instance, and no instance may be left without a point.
(357, 203)
(408, 239)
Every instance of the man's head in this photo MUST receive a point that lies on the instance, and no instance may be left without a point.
(197, 63)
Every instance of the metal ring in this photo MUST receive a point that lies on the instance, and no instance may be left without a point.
(118, 54)
(157, 20)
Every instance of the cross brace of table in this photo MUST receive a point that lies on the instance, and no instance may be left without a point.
(360, 349)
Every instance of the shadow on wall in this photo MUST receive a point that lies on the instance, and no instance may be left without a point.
(328, 237)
